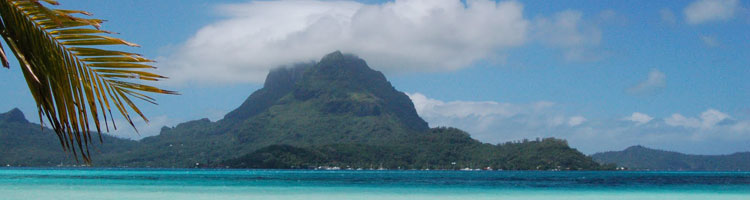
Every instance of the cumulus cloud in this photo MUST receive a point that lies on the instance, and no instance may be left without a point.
(704, 11)
(487, 120)
(569, 32)
(398, 36)
(639, 118)
(497, 122)
(461, 109)
(656, 81)
(708, 119)
(712, 117)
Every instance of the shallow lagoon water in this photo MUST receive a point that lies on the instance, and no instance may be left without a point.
(35, 183)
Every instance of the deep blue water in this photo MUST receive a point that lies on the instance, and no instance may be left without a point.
(27, 183)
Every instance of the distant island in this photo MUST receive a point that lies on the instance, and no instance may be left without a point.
(337, 113)
(642, 158)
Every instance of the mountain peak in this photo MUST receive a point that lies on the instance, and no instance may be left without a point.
(14, 115)
(286, 76)
(339, 66)
(338, 84)
(333, 56)
(636, 147)
(278, 83)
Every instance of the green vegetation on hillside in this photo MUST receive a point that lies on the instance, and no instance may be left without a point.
(441, 148)
(335, 112)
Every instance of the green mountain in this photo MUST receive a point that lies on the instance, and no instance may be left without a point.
(642, 158)
(335, 112)
(440, 148)
(27, 144)
(337, 100)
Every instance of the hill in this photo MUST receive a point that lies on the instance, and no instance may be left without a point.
(439, 148)
(337, 111)
(642, 158)
(27, 144)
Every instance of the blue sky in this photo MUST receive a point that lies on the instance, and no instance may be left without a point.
(603, 74)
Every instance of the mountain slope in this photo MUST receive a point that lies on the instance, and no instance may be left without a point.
(26, 144)
(439, 148)
(642, 158)
(337, 100)
(337, 111)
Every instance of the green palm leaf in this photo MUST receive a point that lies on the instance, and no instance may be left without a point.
(73, 82)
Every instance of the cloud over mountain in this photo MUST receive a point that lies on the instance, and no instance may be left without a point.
(398, 36)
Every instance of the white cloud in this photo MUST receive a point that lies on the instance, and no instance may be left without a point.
(708, 119)
(710, 41)
(461, 109)
(496, 122)
(576, 120)
(704, 11)
(668, 16)
(568, 31)
(712, 117)
(399, 36)
(656, 80)
(639, 118)
(489, 120)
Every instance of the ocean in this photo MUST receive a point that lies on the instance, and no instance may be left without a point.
(115, 184)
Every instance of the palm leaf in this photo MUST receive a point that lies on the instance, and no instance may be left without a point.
(73, 82)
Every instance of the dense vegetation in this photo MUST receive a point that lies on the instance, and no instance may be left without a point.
(336, 112)
(642, 158)
(447, 149)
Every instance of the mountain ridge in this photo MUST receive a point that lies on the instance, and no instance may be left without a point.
(27, 144)
(643, 158)
(14, 115)
(345, 113)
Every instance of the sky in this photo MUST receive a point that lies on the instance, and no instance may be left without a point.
(603, 75)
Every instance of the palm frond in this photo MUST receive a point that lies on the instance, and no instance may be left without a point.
(73, 82)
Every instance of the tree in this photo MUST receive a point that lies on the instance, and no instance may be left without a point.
(73, 82)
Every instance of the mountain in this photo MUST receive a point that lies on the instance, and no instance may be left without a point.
(439, 148)
(13, 116)
(336, 112)
(642, 158)
(27, 144)
(336, 100)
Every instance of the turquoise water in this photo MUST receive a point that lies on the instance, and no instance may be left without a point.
(25, 183)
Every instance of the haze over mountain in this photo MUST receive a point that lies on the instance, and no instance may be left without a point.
(642, 158)
(335, 112)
